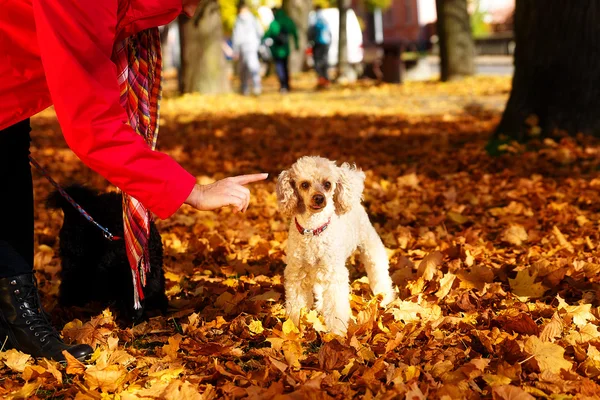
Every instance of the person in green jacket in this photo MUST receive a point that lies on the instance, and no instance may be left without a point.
(277, 38)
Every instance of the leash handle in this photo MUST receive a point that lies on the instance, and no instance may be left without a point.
(42, 170)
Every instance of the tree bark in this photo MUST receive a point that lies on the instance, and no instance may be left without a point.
(298, 11)
(457, 49)
(557, 67)
(345, 70)
(203, 65)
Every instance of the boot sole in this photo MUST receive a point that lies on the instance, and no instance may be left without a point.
(9, 341)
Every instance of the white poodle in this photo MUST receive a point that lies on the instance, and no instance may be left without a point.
(329, 224)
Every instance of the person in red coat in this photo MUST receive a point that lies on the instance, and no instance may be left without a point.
(59, 52)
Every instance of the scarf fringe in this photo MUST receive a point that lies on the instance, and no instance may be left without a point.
(139, 62)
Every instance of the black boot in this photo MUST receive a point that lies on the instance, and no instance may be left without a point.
(25, 324)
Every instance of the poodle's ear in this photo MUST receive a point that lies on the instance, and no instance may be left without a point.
(348, 189)
(286, 194)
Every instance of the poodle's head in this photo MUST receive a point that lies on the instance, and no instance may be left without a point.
(315, 184)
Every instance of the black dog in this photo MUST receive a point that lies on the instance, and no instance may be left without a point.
(95, 269)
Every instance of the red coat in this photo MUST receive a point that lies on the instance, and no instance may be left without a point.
(59, 52)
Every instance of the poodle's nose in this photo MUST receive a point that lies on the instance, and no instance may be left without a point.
(318, 199)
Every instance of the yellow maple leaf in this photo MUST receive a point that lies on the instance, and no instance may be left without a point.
(32, 372)
(15, 360)
(74, 366)
(276, 343)
(549, 356)
(173, 390)
(108, 379)
(581, 313)
(552, 329)
(166, 375)
(170, 276)
(292, 351)
(524, 285)
(289, 327)
(584, 335)
(312, 317)
(348, 366)
(256, 327)
(508, 392)
(27, 390)
(51, 368)
(171, 349)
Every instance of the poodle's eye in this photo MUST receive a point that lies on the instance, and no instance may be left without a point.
(327, 185)
(305, 185)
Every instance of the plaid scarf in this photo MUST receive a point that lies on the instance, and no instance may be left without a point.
(139, 66)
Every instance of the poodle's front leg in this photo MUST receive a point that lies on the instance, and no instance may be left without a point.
(298, 290)
(374, 258)
(335, 305)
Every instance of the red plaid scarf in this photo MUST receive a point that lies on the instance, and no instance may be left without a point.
(139, 64)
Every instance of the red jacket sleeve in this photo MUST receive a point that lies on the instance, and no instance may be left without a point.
(76, 39)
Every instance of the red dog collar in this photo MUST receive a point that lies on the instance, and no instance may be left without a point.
(312, 232)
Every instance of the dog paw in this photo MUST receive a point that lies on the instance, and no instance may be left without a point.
(294, 315)
(387, 298)
(337, 326)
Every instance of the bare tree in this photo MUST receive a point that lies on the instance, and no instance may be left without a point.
(345, 70)
(457, 49)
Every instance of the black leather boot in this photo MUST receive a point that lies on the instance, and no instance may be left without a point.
(26, 325)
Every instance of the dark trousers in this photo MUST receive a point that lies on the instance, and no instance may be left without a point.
(320, 56)
(281, 68)
(16, 201)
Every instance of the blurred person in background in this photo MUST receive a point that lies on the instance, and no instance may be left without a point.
(319, 34)
(246, 40)
(277, 38)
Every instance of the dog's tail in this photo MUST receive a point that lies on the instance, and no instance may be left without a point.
(81, 194)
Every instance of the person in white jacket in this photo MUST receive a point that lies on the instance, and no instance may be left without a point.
(247, 34)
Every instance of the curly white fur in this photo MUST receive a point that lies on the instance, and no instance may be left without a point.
(316, 272)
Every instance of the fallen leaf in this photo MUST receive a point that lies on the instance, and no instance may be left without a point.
(581, 314)
(109, 379)
(15, 360)
(524, 285)
(562, 240)
(549, 356)
(428, 267)
(445, 285)
(312, 317)
(26, 391)
(508, 392)
(515, 234)
(289, 327)
(256, 327)
(552, 329)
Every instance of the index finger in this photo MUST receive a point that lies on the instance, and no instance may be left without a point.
(244, 179)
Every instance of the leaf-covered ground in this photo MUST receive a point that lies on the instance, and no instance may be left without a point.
(495, 259)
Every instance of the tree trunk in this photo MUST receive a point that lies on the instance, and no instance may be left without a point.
(457, 50)
(203, 65)
(298, 11)
(345, 71)
(557, 67)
